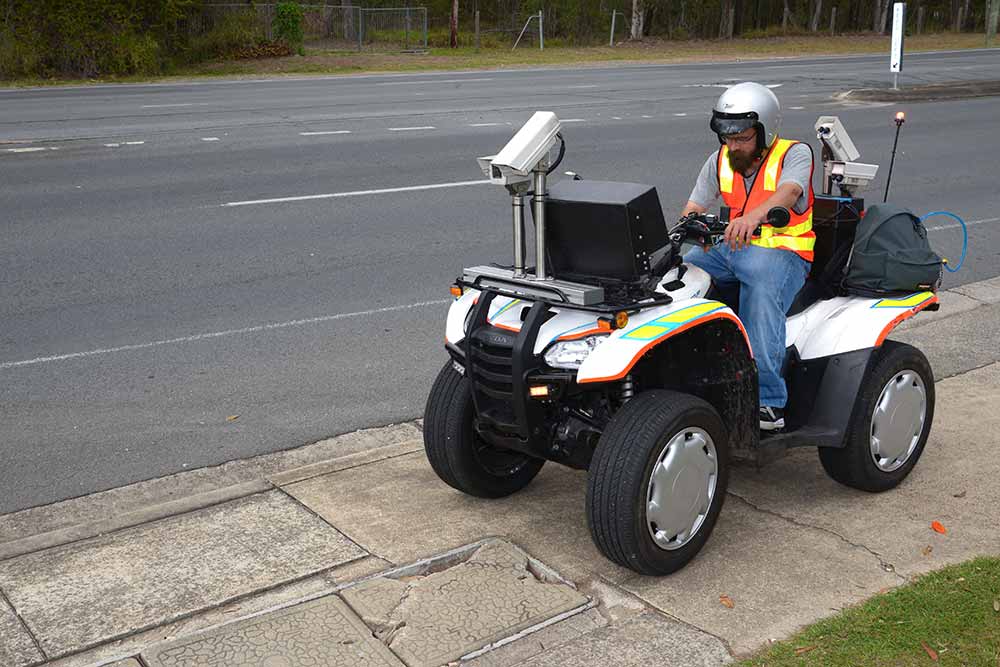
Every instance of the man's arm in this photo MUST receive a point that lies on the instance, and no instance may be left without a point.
(740, 230)
(692, 207)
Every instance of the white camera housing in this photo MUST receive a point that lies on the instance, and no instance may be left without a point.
(831, 132)
(523, 153)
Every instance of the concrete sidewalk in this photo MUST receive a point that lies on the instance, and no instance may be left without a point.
(352, 552)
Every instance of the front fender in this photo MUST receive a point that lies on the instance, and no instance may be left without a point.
(846, 324)
(614, 358)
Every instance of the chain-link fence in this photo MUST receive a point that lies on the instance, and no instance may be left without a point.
(332, 27)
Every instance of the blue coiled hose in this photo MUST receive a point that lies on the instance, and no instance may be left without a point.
(965, 236)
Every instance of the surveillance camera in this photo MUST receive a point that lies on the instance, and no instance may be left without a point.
(831, 132)
(527, 148)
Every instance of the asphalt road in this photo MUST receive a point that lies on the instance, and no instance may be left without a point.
(155, 319)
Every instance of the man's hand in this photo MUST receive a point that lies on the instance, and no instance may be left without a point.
(740, 230)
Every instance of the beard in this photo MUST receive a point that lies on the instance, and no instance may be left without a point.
(742, 161)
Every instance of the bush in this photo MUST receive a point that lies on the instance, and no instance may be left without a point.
(235, 33)
(288, 26)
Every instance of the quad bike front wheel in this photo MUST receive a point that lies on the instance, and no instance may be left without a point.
(890, 423)
(461, 458)
(657, 481)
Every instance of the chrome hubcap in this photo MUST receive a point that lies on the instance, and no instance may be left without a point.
(898, 420)
(681, 488)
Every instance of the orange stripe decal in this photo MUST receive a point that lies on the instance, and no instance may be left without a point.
(905, 315)
(711, 316)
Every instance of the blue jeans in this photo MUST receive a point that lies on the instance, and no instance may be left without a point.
(769, 279)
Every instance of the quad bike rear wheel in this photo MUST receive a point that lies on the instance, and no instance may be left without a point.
(890, 423)
(461, 458)
(657, 481)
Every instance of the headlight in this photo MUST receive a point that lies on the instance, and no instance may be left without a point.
(571, 353)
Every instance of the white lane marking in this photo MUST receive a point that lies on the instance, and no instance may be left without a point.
(645, 116)
(316, 134)
(616, 118)
(775, 85)
(968, 224)
(209, 138)
(590, 85)
(30, 149)
(484, 124)
(219, 334)
(707, 85)
(797, 108)
(112, 145)
(166, 106)
(424, 83)
(680, 114)
(356, 193)
(574, 120)
(134, 143)
(410, 129)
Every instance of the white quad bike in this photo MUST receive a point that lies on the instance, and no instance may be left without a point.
(629, 369)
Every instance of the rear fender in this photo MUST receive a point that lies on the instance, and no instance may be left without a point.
(846, 324)
(616, 357)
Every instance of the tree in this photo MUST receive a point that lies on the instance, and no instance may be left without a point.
(638, 16)
(454, 24)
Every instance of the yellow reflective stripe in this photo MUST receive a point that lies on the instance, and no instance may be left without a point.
(685, 314)
(791, 230)
(774, 163)
(781, 241)
(725, 171)
(906, 302)
(647, 332)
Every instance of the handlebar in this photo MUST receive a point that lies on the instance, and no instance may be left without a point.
(709, 229)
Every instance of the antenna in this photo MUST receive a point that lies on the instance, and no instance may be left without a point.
(900, 119)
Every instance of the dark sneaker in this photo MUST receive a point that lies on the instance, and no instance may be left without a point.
(771, 419)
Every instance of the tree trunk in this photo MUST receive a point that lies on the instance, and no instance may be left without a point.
(348, 19)
(785, 14)
(638, 18)
(816, 14)
(454, 24)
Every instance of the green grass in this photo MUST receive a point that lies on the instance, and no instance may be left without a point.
(951, 611)
(317, 61)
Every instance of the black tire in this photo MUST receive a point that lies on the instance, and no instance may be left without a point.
(854, 464)
(618, 485)
(460, 457)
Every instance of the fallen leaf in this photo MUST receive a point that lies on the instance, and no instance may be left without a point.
(232, 418)
(996, 606)
(727, 601)
(958, 495)
(804, 649)
(937, 527)
(930, 652)
(927, 550)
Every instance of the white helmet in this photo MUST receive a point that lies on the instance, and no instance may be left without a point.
(747, 105)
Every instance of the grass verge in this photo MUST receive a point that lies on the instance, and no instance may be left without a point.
(318, 61)
(948, 617)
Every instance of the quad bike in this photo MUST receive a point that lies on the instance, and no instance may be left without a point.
(621, 363)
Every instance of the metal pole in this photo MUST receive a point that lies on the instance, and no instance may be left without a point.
(614, 13)
(833, 21)
(991, 22)
(425, 27)
(361, 27)
(899, 124)
(518, 203)
(477, 30)
(406, 30)
(541, 32)
(539, 204)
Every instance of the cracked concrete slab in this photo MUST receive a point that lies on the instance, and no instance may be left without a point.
(429, 620)
(17, 648)
(649, 639)
(399, 510)
(779, 575)
(952, 483)
(957, 344)
(82, 594)
(320, 632)
(987, 291)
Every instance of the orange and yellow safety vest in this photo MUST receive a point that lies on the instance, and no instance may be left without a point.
(798, 235)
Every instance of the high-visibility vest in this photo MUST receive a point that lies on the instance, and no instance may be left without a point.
(798, 235)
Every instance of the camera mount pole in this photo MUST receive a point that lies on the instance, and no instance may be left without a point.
(900, 119)
(517, 192)
(538, 201)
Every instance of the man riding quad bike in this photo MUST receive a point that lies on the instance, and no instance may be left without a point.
(612, 355)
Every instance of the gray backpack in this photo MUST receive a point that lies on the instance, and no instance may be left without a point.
(891, 255)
